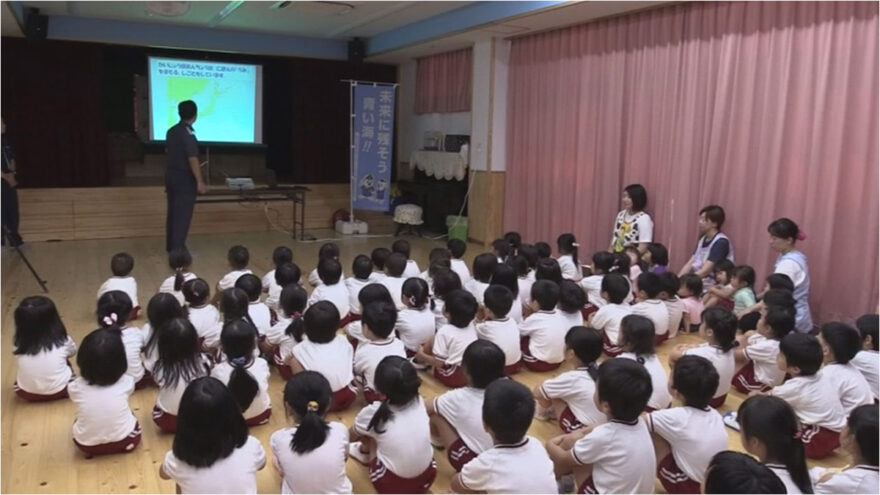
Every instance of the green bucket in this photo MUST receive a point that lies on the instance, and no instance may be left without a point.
(457, 227)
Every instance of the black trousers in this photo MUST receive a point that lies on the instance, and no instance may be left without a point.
(181, 203)
(9, 209)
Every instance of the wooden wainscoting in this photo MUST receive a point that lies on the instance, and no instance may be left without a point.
(117, 212)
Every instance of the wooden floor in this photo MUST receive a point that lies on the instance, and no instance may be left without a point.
(38, 455)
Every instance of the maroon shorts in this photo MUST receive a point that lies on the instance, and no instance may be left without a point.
(167, 422)
(28, 396)
(134, 313)
(343, 398)
(531, 362)
(353, 341)
(588, 310)
(384, 481)
(146, 381)
(451, 376)
(283, 369)
(348, 319)
(459, 454)
(659, 339)
(588, 487)
(513, 369)
(410, 354)
(819, 442)
(611, 349)
(371, 395)
(260, 419)
(717, 402)
(744, 380)
(567, 422)
(127, 444)
(673, 478)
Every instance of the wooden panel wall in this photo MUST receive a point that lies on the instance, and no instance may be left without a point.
(486, 207)
(120, 212)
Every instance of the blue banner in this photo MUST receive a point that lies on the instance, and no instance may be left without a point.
(373, 140)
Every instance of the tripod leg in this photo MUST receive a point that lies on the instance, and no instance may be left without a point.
(28, 263)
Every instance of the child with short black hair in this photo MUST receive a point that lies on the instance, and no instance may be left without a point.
(395, 265)
(636, 340)
(180, 261)
(500, 329)
(543, 250)
(516, 463)
(524, 278)
(445, 281)
(378, 327)
(290, 328)
(457, 248)
(104, 422)
(331, 288)
(669, 285)
(204, 316)
(327, 250)
(515, 240)
(501, 249)
(758, 350)
(161, 309)
(810, 394)
(505, 275)
(179, 362)
(378, 257)
(445, 351)
(722, 291)
(42, 349)
(571, 303)
(686, 437)
(548, 269)
(415, 323)
(246, 375)
(719, 331)
(114, 308)
(656, 256)
(542, 333)
(689, 291)
(735, 472)
(615, 289)
(569, 396)
(121, 265)
(617, 456)
(769, 431)
(282, 255)
(866, 360)
(369, 294)
(603, 261)
(455, 420)
(484, 266)
(310, 455)
(216, 456)
(361, 269)
(393, 437)
(859, 438)
(285, 274)
(840, 343)
(238, 257)
(531, 255)
(649, 305)
(412, 268)
(260, 314)
(327, 353)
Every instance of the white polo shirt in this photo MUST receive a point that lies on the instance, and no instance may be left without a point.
(504, 333)
(354, 286)
(851, 387)
(167, 286)
(259, 370)
(860, 478)
(461, 268)
(656, 311)
(125, 284)
(784, 476)
(355, 330)
(46, 372)
(451, 341)
(463, 409)
(694, 435)
(320, 471)
(622, 456)
(412, 269)
(236, 473)
(724, 362)
(525, 290)
(675, 309)
(134, 341)
(523, 467)
(168, 398)
(762, 352)
(394, 286)
(814, 400)
(576, 388)
(277, 331)
(336, 294)
(608, 318)
(273, 290)
(404, 446)
(333, 360)
(868, 363)
(477, 288)
(660, 397)
(592, 287)
(575, 319)
(516, 310)
(228, 280)
(546, 331)
(570, 271)
(369, 354)
(206, 320)
(439, 317)
(261, 316)
(103, 414)
(415, 327)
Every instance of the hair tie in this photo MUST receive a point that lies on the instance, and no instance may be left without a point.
(312, 406)
(239, 361)
(801, 235)
(110, 319)
(412, 300)
(574, 244)
(296, 315)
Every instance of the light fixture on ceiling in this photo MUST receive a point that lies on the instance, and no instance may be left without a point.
(323, 8)
(168, 9)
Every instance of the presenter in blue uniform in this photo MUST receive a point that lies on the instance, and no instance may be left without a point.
(183, 176)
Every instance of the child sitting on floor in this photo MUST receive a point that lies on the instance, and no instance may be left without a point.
(637, 342)
(651, 307)
(758, 350)
(719, 331)
(238, 258)
(260, 314)
(378, 327)
(615, 289)
(859, 438)
(42, 349)
(543, 332)
(501, 330)
(280, 256)
(121, 265)
(689, 293)
(840, 343)
(866, 360)
(445, 351)
(331, 288)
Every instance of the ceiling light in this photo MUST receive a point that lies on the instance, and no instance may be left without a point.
(168, 9)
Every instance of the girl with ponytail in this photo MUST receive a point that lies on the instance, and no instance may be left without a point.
(636, 338)
(246, 376)
(114, 308)
(310, 455)
(415, 323)
(718, 328)
(567, 246)
(179, 260)
(161, 309)
(289, 330)
(770, 432)
(395, 432)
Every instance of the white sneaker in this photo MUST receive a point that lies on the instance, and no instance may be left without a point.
(730, 420)
(565, 484)
(354, 451)
(544, 414)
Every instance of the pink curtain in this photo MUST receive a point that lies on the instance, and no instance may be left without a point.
(443, 82)
(769, 109)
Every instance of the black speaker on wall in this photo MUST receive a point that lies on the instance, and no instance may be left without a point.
(36, 25)
(357, 49)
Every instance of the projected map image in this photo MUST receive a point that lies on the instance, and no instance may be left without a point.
(226, 95)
